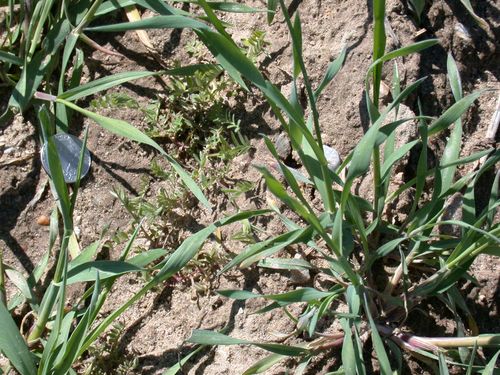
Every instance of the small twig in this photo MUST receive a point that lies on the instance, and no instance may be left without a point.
(84, 38)
(16, 161)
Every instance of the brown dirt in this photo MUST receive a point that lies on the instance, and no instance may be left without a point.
(157, 327)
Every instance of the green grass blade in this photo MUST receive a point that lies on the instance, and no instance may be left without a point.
(156, 22)
(237, 294)
(453, 146)
(363, 151)
(272, 5)
(79, 334)
(285, 264)
(383, 359)
(59, 184)
(331, 72)
(105, 268)
(10, 58)
(297, 40)
(232, 7)
(273, 245)
(490, 367)
(481, 22)
(205, 337)
(13, 345)
(453, 113)
(105, 83)
(379, 40)
(264, 364)
(443, 367)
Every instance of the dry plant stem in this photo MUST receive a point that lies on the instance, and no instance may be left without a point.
(399, 271)
(410, 341)
(495, 120)
(84, 38)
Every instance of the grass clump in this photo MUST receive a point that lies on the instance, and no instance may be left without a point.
(351, 235)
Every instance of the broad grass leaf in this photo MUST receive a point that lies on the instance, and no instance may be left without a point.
(107, 82)
(289, 176)
(299, 295)
(20, 282)
(494, 199)
(471, 158)
(105, 268)
(394, 157)
(212, 18)
(264, 364)
(86, 255)
(278, 190)
(112, 5)
(404, 51)
(13, 346)
(454, 78)
(178, 366)
(191, 245)
(351, 358)
(453, 146)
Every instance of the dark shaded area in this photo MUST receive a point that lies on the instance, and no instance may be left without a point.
(13, 201)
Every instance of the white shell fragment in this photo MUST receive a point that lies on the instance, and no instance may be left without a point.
(332, 157)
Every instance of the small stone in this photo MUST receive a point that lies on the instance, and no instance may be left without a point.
(43, 220)
(283, 146)
(300, 277)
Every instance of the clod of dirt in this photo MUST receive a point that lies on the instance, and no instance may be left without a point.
(283, 146)
(452, 211)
